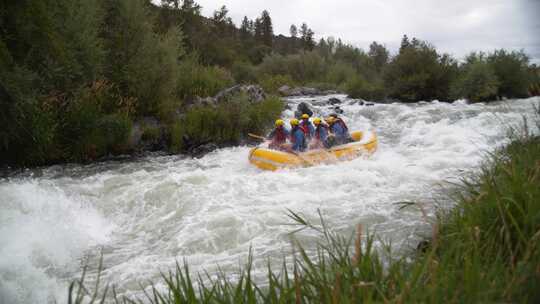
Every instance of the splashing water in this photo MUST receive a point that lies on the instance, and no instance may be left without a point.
(147, 214)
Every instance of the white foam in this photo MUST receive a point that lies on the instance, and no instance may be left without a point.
(43, 233)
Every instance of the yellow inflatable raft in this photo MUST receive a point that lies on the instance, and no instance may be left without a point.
(268, 159)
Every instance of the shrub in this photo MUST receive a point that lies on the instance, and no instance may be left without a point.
(198, 80)
(271, 83)
(358, 87)
(339, 73)
(511, 70)
(302, 68)
(477, 83)
(226, 123)
(96, 121)
(176, 135)
(418, 72)
(244, 72)
(141, 62)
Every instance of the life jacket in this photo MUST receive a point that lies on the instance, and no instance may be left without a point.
(305, 128)
(318, 131)
(280, 136)
(293, 138)
(342, 123)
(291, 135)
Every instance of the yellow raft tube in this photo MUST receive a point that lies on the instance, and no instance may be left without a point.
(268, 159)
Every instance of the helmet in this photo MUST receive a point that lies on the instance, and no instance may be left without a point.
(317, 121)
(279, 122)
(294, 122)
(305, 116)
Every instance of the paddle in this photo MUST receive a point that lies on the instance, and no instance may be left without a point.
(305, 160)
(257, 136)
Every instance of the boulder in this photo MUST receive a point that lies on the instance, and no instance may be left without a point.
(298, 91)
(303, 108)
(338, 110)
(310, 91)
(357, 102)
(334, 101)
(284, 90)
(206, 101)
(254, 93)
(203, 149)
(330, 92)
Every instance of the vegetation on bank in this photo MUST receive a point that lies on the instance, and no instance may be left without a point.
(485, 249)
(75, 72)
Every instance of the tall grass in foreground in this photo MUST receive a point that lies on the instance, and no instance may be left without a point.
(486, 249)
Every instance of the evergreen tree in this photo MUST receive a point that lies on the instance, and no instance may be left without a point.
(267, 30)
(404, 43)
(324, 48)
(222, 22)
(307, 37)
(379, 54)
(258, 30)
(245, 29)
(293, 30)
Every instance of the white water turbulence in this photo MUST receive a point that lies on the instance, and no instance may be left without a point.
(146, 215)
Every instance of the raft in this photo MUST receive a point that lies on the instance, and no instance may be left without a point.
(268, 159)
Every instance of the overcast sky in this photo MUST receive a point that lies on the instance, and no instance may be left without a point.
(453, 26)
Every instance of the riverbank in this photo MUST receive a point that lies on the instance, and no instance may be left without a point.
(485, 249)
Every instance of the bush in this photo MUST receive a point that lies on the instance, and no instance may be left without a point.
(244, 72)
(477, 83)
(141, 62)
(339, 73)
(271, 83)
(176, 135)
(302, 68)
(418, 72)
(95, 122)
(227, 123)
(511, 70)
(198, 80)
(358, 87)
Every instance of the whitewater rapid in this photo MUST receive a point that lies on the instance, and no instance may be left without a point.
(145, 215)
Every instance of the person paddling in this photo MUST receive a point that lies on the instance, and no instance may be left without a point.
(339, 129)
(320, 134)
(298, 138)
(307, 127)
(278, 136)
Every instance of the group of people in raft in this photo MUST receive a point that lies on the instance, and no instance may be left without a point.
(305, 135)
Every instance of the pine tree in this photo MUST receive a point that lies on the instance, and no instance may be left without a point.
(379, 54)
(258, 30)
(293, 30)
(245, 28)
(404, 43)
(222, 22)
(267, 29)
(307, 37)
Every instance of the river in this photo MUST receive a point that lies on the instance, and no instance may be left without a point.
(145, 215)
